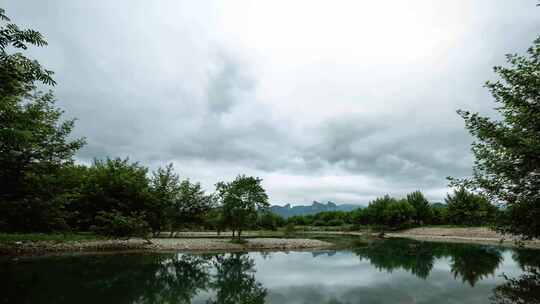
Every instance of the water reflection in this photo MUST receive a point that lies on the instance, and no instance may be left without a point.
(524, 288)
(235, 280)
(471, 263)
(377, 272)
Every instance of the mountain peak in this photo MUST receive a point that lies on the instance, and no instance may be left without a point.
(315, 207)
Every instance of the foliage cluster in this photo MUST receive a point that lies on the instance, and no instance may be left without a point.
(506, 148)
(461, 208)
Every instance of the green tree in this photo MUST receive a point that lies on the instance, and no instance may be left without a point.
(214, 220)
(300, 220)
(240, 200)
(115, 191)
(34, 141)
(116, 224)
(376, 211)
(507, 165)
(17, 72)
(399, 214)
(422, 209)
(164, 185)
(440, 214)
(191, 206)
(269, 220)
(467, 208)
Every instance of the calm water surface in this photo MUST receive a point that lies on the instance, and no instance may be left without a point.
(394, 271)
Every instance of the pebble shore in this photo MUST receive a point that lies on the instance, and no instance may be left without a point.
(160, 244)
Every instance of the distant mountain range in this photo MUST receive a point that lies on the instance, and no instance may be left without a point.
(316, 207)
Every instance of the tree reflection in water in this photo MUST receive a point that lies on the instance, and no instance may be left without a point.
(148, 279)
(471, 263)
(524, 289)
(235, 280)
(230, 277)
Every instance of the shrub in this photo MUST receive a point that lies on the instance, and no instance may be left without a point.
(114, 224)
(336, 222)
(289, 229)
(319, 223)
(467, 208)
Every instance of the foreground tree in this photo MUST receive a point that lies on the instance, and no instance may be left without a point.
(17, 72)
(240, 200)
(507, 166)
(34, 141)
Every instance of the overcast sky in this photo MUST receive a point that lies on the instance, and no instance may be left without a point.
(325, 100)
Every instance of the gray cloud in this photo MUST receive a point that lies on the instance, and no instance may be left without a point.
(344, 110)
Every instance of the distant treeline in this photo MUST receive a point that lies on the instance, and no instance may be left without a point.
(116, 197)
(461, 208)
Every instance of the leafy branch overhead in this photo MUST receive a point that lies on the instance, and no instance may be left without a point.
(15, 66)
(507, 165)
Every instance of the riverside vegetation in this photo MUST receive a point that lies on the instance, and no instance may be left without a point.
(42, 189)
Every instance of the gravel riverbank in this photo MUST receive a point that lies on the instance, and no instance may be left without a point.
(159, 244)
(478, 235)
(208, 241)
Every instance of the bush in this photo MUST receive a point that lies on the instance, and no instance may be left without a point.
(114, 186)
(440, 214)
(467, 208)
(399, 215)
(319, 223)
(336, 222)
(269, 220)
(422, 209)
(114, 224)
(289, 229)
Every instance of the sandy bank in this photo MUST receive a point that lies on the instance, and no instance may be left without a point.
(480, 235)
(159, 244)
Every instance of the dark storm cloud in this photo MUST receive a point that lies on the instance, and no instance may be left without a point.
(176, 82)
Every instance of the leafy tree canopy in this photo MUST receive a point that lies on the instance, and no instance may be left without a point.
(34, 142)
(507, 165)
(240, 201)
